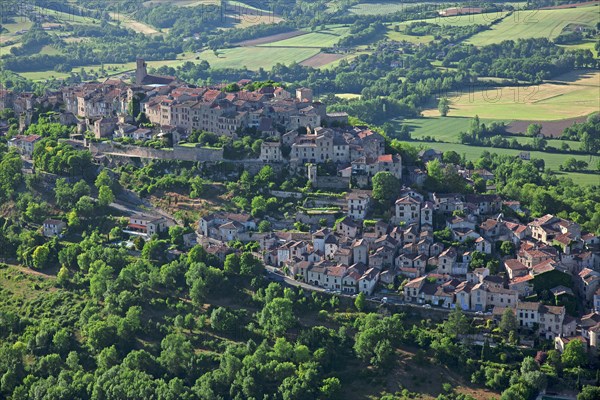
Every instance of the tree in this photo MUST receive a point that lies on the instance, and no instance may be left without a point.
(383, 353)
(574, 354)
(176, 354)
(105, 196)
(264, 176)
(103, 179)
(264, 226)
(508, 322)
(443, 106)
(451, 157)
(331, 388)
(155, 249)
(41, 257)
(385, 186)
(539, 143)
(534, 130)
(507, 248)
(222, 319)
(277, 317)
(435, 174)
(176, 235)
(259, 206)
(589, 393)
(62, 278)
(197, 186)
(250, 265)
(457, 323)
(360, 302)
(232, 264)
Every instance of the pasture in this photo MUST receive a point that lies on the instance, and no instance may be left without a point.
(318, 39)
(382, 8)
(572, 95)
(400, 36)
(442, 129)
(254, 58)
(461, 20)
(526, 24)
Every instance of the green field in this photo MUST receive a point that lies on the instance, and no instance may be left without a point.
(347, 96)
(462, 20)
(447, 130)
(586, 44)
(552, 160)
(254, 58)
(443, 129)
(249, 6)
(399, 36)
(382, 8)
(322, 38)
(571, 95)
(527, 24)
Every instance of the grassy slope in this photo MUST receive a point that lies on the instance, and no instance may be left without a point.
(382, 8)
(536, 23)
(572, 95)
(256, 57)
(462, 20)
(444, 129)
(323, 38)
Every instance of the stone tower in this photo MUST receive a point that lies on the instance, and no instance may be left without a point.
(140, 72)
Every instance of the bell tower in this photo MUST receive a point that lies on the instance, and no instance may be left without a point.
(140, 72)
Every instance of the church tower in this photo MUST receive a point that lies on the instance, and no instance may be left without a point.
(140, 71)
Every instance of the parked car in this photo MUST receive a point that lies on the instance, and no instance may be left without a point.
(426, 305)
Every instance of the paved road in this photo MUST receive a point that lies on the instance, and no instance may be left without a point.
(278, 277)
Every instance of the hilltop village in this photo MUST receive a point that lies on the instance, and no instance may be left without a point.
(436, 250)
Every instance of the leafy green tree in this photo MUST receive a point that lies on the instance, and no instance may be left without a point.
(250, 265)
(232, 264)
(451, 157)
(457, 323)
(100, 334)
(103, 179)
(534, 130)
(589, 393)
(197, 187)
(176, 354)
(259, 206)
(360, 302)
(331, 388)
(383, 353)
(105, 196)
(11, 174)
(264, 176)
(443, 106)
(264, 226)
(155, 249)
(277, 317)
(85, 206)
(63, 276)
(508, 322)
(222, 319)
(574, 354)
(41, 257)
(176, 235)
(385, 187)
(507, 248)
